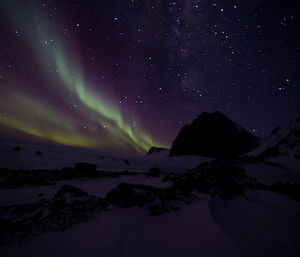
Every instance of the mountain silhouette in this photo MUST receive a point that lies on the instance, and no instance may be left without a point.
(213, 135)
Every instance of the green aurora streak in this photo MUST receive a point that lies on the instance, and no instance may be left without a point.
(46, 45)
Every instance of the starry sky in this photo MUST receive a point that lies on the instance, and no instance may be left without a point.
(124, 75)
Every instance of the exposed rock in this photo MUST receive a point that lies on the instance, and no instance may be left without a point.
(83, 166)
(17, 148)
(222, 178)
(275, 131)
(292, 190)
(27, 220)
(70, 192)
(153, 150)
(157, 200)
(154, 172)
(38, 153)
(213, 135)
(18, 178)
(128, 195)
(225, 179)
(127, 162)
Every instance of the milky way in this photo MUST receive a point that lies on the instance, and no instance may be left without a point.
(126, 75)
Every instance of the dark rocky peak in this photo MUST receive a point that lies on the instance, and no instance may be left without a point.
(213, 135)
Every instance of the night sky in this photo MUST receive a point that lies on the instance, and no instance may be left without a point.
(125, 75)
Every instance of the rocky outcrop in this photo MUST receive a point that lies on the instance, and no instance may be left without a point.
(153, 150)
(67, 192)
(17, 149)
(84, 166)
(19, 222)
(157, 200)
(226, 179)
(213, 135)
(10, 178)
(38, 153)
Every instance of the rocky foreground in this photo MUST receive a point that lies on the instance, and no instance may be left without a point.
(71, 205)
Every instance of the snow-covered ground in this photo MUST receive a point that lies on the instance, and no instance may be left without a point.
(132, 232)
(57, 157)
(97, 187)
(268, 174)
(259, 224)
(287, 162)
(263, 225)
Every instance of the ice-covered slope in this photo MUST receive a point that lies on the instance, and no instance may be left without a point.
(175, 163)
(269, 174)
(282, 146)
(263, 224)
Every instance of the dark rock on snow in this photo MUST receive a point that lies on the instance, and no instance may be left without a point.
(291, 190)
(128, 195)
(83, 166)
(71, 205)
(225, 179)
(153, 150)
(213, 135)
(154, 172)
(27, 220)
(17, 149)
(158, 201)
(38, 153)
(18, 178)
(127, 162)
(68, 191)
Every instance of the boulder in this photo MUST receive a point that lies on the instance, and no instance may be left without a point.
(70, 192)
(127, 162)
(129, 195)
(84, 166)
(38, 153)
(154, 172)
(17, 148)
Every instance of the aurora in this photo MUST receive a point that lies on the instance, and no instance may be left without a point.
(106, 126)
(128, 75)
